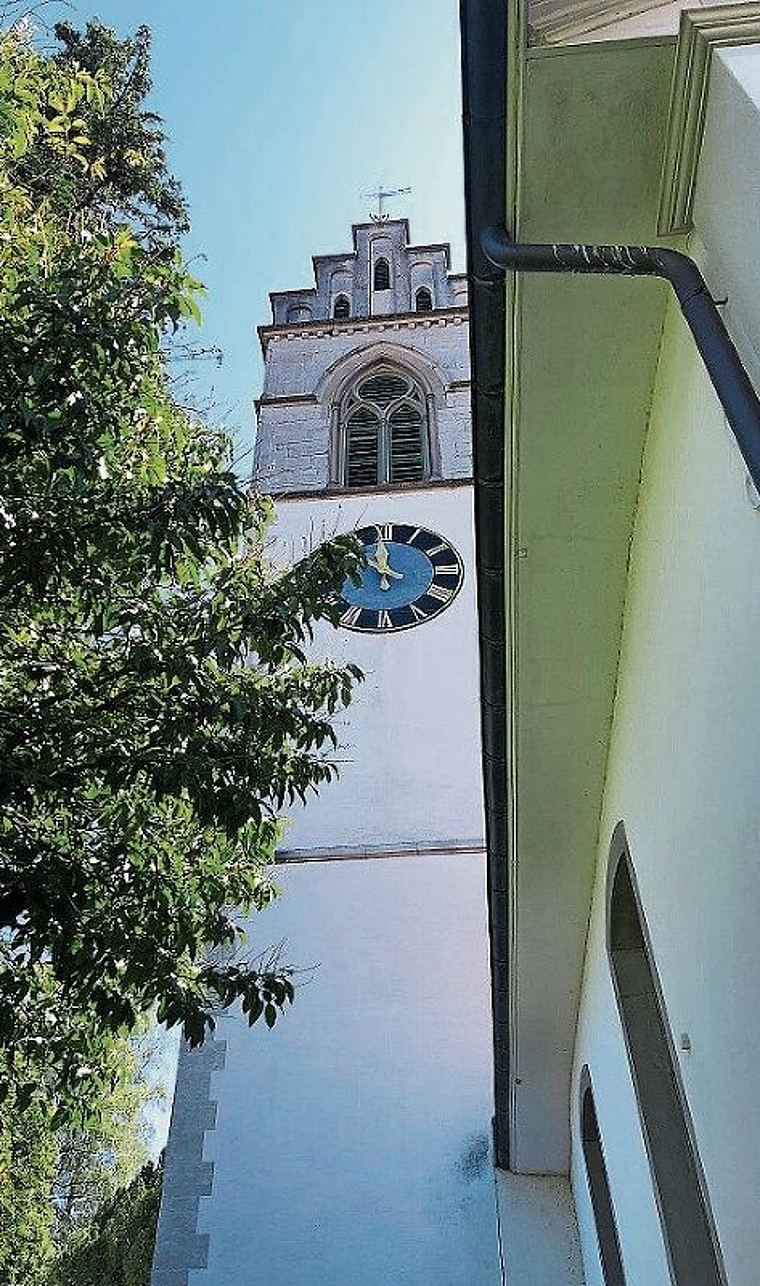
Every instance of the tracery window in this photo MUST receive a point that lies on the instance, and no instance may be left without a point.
(382, 275)
(341, 308)
(423, 300)
(384, 429)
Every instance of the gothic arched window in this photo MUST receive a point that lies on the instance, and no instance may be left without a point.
(341, 308)
(423, 300)
(382, 275)
(384, 429)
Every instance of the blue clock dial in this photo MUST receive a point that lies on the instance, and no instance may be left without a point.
(411, 575)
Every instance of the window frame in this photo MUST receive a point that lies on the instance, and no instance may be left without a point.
(385, 261)
(415, 395)
(687, 1223)
(598, 1183)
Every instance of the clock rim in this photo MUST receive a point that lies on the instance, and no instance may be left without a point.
(431, 616)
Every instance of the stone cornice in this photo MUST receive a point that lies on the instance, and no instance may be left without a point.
(357, 325)
(350, 493)
(701, 31)
(290, 399)
(373, 852)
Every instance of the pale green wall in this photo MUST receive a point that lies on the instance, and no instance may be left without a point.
(684, 765)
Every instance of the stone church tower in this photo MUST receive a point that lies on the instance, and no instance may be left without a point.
(350, 1146)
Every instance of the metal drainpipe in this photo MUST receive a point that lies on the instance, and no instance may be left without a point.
(484, 44)
(724, 366)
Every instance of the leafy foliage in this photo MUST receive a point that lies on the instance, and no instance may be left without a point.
(117, 1246)
(28, 1160)
(125, 176)
(157, 707)
(57, 1185)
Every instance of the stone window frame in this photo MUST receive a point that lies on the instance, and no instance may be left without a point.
(334, 381)
(383, 260)
(351, 396)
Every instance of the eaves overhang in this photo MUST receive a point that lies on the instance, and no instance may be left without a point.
(571, 144)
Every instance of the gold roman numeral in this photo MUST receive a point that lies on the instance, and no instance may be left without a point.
(446, 569)
(350, 616)
(384, 621)
(440, 593)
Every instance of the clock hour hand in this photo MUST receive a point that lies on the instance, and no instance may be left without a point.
(382, 566)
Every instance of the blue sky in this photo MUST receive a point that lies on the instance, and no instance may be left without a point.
(280, 113)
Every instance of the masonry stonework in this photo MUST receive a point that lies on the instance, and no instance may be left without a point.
(309, 360)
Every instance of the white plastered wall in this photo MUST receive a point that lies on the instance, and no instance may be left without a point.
(410, 751)
(684, 761)
(352, 1142)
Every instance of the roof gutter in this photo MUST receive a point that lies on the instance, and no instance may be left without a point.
(492, 252)
(484, 96)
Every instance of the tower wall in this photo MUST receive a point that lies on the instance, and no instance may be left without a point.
(352, 1143)
(308, 365)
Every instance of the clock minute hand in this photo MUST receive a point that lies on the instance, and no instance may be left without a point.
(381, 565)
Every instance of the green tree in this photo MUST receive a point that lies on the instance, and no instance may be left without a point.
(157, 706)
(126, 177)
(116, 1247)
(28, 1162)
(61, 1189)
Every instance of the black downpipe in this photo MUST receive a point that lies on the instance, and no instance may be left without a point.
(724, 366)
(484, 46)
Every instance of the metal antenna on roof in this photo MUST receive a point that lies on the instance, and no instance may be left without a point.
(381, 194)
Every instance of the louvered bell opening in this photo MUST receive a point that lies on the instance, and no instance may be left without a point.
(423, 300)
(361, 449)
(341, 309)
(405, 425)
(382, 277)
(383, 388)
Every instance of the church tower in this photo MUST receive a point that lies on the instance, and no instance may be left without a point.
(351, 1145)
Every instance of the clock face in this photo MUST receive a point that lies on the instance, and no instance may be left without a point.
(412, 574)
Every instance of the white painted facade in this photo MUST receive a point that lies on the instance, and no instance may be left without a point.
(353, 1142)
(410, 750)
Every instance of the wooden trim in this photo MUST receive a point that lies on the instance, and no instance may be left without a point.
(701, 31)
(580, 19)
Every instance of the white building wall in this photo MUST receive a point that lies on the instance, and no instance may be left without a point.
(685, 751)
(352, 1142)
(410, 752)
